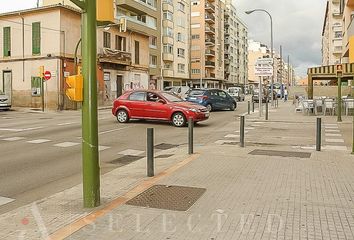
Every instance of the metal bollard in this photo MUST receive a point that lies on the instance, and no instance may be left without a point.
(150, 152)
(318, 134)
(252, 106)
(248, 107)
(267, 110)
(242, 131)
(190, 135)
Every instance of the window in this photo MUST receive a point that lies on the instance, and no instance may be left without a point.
(181, 22)
(106, 40)
(137, 96)
(153, 61)
(180, 52)
(181, 67)
(195, 36)
(153, 42)
(168, 32)
(195, 71)
(195, 14)
(36, 38)
(222, 94)
(168, 48)
(121, 43)
(338, 34)
(151, 21)
(180, 6)
(180, 37)
(151, 3)
(137, 52)
(167, 15)
(168, 66)
(152, 97)
(7, 41)
(195, 3)
(168, 2)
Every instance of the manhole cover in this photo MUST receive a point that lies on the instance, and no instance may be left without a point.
(280, 153)
(125, 160)
(176, 198)
(165, 146)
(164, 156)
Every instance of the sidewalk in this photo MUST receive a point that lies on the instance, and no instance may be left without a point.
(245, 194)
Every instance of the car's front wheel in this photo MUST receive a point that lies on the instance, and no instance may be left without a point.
(209, 107)
(122, 116)
(233, 107)
(178, 119)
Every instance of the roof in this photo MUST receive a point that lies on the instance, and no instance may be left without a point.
(30, 10)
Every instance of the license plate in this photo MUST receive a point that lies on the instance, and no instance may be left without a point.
(3, 104)
(192, 98)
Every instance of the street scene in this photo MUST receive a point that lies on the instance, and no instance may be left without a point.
(173, 119)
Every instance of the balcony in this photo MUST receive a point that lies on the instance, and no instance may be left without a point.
(209, 52)
(209, 29)
(168, 73)
(138, 7)
(209, 18)
(209, 64)
(227, 41)
(108, 55)
(210, 7)
(167, 57)
(337, 49)
(209, 41)
(210, 75)
(167, 6)
(167, 40)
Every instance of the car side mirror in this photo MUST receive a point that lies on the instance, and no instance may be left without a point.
(161, 101)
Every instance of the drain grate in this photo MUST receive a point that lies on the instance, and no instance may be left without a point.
(280, 153)
(176, 198)
(125, 160)
(165, 146)
(164, 156)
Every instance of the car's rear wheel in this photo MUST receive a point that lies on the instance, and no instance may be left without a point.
(122, 116)
(209, 107)
(233, 107)
(178, 119)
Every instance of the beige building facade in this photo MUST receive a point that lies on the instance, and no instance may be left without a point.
(207, 43)
(332, 45)
(175, 42)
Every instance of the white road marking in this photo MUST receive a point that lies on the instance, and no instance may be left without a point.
(113, 130)
(19, 129)
(231, 136)
(102, 118)
(331, 124)
(333, 135)
(131, 152)
(5, 200)
(331, 127)
(66, 144)
(255, 125)
(39, 141)
(339, 148)
(249, 128)
(258, 122)
(67, 123)
(13, 139)
(332, 130)
(101, 148)
(334, 140)
(308, 147)
(220, 142)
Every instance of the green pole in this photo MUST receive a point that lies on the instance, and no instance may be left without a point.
(339, 103)
(353, 120)
(90, 161)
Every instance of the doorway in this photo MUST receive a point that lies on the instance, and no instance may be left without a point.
(119, 86)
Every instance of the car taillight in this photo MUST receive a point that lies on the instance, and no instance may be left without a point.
(203, 97)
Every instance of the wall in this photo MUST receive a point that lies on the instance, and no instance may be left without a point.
(319, 91)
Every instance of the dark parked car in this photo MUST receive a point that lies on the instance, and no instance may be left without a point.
(157, 105)
(212, 99)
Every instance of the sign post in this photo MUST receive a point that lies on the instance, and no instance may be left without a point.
(339, 73)
(263, 68)
(47, 75)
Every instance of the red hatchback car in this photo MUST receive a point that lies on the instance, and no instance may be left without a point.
(157, 105)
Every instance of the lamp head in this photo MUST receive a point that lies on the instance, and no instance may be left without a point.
(249, 12)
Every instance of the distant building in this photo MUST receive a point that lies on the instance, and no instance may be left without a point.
(332, 34)
(255, 50)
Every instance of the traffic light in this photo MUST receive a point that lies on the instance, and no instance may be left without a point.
(74, 90)
(41, 71)
(339, 69)
(105, 11)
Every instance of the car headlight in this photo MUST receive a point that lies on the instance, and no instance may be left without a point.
(193, 110)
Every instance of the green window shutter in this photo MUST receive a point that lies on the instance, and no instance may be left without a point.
(7, 42)
(36, 38)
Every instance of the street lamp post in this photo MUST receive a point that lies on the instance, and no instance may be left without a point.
(271, 43)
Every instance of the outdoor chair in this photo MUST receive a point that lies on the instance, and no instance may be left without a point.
(307, 106)
(329, 106)
(349, 104)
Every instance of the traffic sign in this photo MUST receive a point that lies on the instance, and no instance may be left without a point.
(264, 61)
(47, 75)
(263, 71)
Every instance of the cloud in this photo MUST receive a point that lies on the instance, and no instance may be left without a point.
(297, 26)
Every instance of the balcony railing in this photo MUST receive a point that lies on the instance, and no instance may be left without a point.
(209, 41)
(210, 52)
(209, 17)
(209, 63)
(337, 49)
(209, 29)
(210, 7)
(115, 56)
(210, 75)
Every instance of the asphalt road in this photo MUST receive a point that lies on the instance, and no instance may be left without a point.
(33, 165)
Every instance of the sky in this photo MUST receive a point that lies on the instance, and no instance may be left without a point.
(297, 26)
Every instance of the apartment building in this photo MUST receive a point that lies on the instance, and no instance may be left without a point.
(332, 34)
(207, 43)
(49, 36)
(176, 42)
(255, 50)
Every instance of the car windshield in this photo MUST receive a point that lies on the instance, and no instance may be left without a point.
(171, 97)
(196, 93)
(232, 90)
